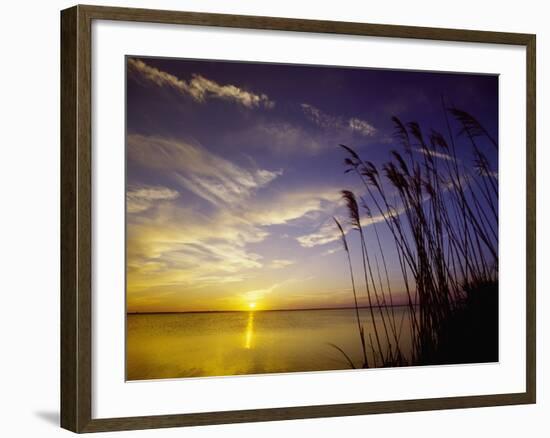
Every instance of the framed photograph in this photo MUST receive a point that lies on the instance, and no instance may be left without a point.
(268, 218)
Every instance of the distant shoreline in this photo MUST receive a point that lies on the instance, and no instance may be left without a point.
(265, 310)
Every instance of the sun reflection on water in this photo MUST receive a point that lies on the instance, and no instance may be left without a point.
(249, 331)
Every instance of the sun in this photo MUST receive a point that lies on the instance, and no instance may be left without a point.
(251, 306)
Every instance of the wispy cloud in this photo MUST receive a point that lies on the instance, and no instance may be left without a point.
(328, 231)
(177, 246)
(257, 294)
(362, 127)
(281, 138)
(320, 118)
(281, 263)
(204, 173)
(331, 251)
(436, 154)
(328, 121)
(198, 87)
(174, 246)
(292, 206)
(142, 197)
(286, 138)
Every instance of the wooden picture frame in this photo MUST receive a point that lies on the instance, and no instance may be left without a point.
(76, 218)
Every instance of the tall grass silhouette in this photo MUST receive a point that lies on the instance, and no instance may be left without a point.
(442, 215)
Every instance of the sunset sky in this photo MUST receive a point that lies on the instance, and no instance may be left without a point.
(234, 174)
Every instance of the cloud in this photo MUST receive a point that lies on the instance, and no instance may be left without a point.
(294, 137)
(320, 118)
(328, 232)
(436, 154)
(208, 280)
(176, 246)
(140, 198)
(282, 138)
(212, 245)
(281, 263)
(287, 138)
(257, 294)
(362, 127)
(286, 207)
(331, 251)
(198, 87)
(327, 121)
(207, 175)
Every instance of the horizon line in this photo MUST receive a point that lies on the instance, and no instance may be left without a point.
(263, 310)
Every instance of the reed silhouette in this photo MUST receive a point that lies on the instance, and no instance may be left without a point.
(442, 215)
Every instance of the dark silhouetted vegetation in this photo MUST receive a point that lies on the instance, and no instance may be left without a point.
(442, 215)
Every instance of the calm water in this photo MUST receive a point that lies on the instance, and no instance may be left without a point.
(228, 343)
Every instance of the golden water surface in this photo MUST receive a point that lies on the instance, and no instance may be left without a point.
(172, 345)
